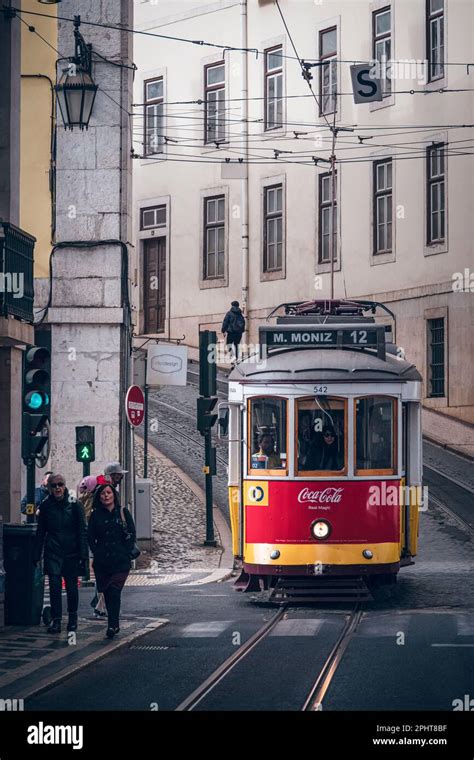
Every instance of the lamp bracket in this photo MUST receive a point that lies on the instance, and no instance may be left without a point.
(83, 50)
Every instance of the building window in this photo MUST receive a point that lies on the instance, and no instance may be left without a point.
(327, 216)
(382, 206)
(435, 38)
(436, 179)
(154, 216)
(382, 46)
(436, 357)
(273, 228)
(328, 71)
(274, 88)
(214, 236)
(154, 138)
(214, 98)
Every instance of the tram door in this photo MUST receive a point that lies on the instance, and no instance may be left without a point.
(412, 461)
(235, 477)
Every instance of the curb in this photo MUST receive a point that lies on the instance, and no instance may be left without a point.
(227, 557)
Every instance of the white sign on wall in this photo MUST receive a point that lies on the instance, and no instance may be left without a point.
(167, 364)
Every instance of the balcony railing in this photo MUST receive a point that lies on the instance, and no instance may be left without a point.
(16, 272)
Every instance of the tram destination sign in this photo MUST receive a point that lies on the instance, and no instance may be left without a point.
(323, 336)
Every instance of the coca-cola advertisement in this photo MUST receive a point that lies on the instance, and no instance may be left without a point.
(292, 507)
(321, 496)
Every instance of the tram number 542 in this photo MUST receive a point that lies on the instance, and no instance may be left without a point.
(320, 389)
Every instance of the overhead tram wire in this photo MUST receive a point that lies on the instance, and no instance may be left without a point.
(201, 43)
(231, 146)
(314, 124)
(190, 158)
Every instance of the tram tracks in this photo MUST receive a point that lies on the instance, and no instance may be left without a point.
(325, 673)
(223, 670)
(459, 495)
(177, 434)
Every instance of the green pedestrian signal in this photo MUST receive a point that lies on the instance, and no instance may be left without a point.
(85, 452)
(85, 444)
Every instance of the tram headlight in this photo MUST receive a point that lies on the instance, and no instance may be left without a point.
(367, 554)
(321, 529)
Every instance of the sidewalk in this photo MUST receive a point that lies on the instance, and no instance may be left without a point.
(31, 660)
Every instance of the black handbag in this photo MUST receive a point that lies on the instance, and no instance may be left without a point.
(134, 552)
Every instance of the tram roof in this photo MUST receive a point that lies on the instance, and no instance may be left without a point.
(307, 365)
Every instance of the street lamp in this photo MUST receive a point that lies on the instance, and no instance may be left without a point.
(76, 89)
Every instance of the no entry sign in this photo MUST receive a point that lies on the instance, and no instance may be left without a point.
(135, 405)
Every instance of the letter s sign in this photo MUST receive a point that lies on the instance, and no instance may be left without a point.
(365, 87)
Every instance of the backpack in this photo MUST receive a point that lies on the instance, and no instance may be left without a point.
(237, 322)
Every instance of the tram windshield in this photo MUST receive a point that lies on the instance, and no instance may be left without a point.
(321, 434)
(375, 434)
(267, 439)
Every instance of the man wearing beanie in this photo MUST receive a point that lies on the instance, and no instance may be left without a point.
(233, 327)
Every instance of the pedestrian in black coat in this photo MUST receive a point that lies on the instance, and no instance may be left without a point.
(111, 534)
(233, 327)
(63, 534)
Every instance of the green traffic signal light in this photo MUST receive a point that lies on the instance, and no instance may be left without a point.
(85, 452)
(35, 400)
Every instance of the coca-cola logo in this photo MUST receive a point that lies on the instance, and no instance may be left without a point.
(324, 496)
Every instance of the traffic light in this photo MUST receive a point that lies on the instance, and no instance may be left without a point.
(85, 443)
(207, 363)
(205, 420)
(36, 401)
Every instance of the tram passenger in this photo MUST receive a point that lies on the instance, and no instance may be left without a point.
(306, 439)
(326, 456)
(266, 458)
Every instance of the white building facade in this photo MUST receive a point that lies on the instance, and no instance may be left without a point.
(232, 186)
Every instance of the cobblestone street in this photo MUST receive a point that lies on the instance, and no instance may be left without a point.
(179, 520)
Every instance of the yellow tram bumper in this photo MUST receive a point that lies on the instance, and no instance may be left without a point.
(326, 554)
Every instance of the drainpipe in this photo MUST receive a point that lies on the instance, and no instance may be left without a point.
(245, 180)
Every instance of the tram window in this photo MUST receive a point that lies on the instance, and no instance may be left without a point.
(267, 434)
(321, 434)
(375, 446)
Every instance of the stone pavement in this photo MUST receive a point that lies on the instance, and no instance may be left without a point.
(179, 519)
(31, 659)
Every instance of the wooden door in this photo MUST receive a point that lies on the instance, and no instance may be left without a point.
(154, 284)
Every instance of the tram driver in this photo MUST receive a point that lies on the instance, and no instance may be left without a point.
(266, 458)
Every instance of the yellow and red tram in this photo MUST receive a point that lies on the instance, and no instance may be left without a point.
(325, 456)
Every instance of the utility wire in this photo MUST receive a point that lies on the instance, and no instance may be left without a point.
(203, 43)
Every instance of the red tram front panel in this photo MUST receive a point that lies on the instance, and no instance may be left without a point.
(359, 512)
